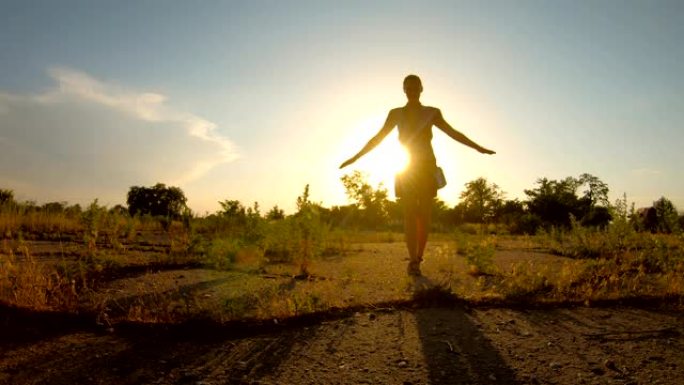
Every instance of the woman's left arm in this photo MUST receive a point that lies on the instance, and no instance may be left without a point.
(458, 136)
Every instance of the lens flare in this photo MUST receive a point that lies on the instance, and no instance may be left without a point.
(384, 162)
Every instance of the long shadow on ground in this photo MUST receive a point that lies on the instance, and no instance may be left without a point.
(55, 348)
(455, 349)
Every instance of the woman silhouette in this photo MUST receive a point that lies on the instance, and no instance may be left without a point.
(416, 187)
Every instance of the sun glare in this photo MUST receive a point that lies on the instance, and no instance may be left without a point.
(384, 162)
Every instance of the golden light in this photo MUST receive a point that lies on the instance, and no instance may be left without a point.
(386, 160)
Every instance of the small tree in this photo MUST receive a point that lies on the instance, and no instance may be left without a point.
(308, 231)
(275, 214)
(157, 200)
(668, 218)
(481, 200)
(6, 196)
(596, 192)
(373, 202)
(594, 205)
(233, 209)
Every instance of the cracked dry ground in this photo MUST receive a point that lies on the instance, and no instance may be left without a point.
(433, 345)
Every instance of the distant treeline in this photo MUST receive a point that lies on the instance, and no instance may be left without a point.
(549, 204)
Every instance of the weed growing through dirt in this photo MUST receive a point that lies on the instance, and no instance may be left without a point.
(478, 252)
(654, 267)
(298, 264)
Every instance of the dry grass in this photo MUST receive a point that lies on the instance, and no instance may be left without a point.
(238, 281)
(13, 223)
(27, 283)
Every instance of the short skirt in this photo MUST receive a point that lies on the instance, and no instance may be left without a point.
(416, 181)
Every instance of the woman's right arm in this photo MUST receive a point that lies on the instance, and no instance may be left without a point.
(390, 122)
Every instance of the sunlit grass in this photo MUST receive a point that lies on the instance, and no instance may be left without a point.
(224, 277)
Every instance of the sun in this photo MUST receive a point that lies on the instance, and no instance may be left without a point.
(384, 162)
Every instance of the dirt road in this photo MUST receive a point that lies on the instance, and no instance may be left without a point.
(430, 345)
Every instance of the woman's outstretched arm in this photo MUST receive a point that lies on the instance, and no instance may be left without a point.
(458, 136)
(390, 122)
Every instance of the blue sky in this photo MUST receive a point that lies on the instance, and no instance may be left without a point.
(251, 100)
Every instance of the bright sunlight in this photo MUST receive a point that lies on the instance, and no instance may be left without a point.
(386, 160)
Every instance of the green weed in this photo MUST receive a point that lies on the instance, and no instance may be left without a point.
(478, 252)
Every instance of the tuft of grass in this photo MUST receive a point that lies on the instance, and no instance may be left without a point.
(24, 282)
(525, 282)
(478, 252)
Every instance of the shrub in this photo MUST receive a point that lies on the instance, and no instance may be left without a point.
(526, 224)
(221, 254)
(298, 238)
(6, 197)
(478, 252)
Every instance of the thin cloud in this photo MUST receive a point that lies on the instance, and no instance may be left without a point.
(5, 101)
(644, 171)
(146, 106)
(87, 137)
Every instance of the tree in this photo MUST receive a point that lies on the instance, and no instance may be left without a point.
(481, 200)
(646, 219)
(598, 216)
(667, 216)
(54, 207)
(308, 230)
(157, 200)
(373, 202)
(118, 209)
(440, 215)
(509, 210)
(554, 201)
(275, 213)
(594, 205)
(232, 209)
(6, 196)
(74, 210)
(343, 216)
(512, 213)
(596, 190)
(304, 201)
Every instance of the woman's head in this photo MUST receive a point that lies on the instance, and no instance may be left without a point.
(412, 87)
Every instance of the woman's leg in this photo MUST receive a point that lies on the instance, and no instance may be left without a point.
(411, 236)
(423, 218)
